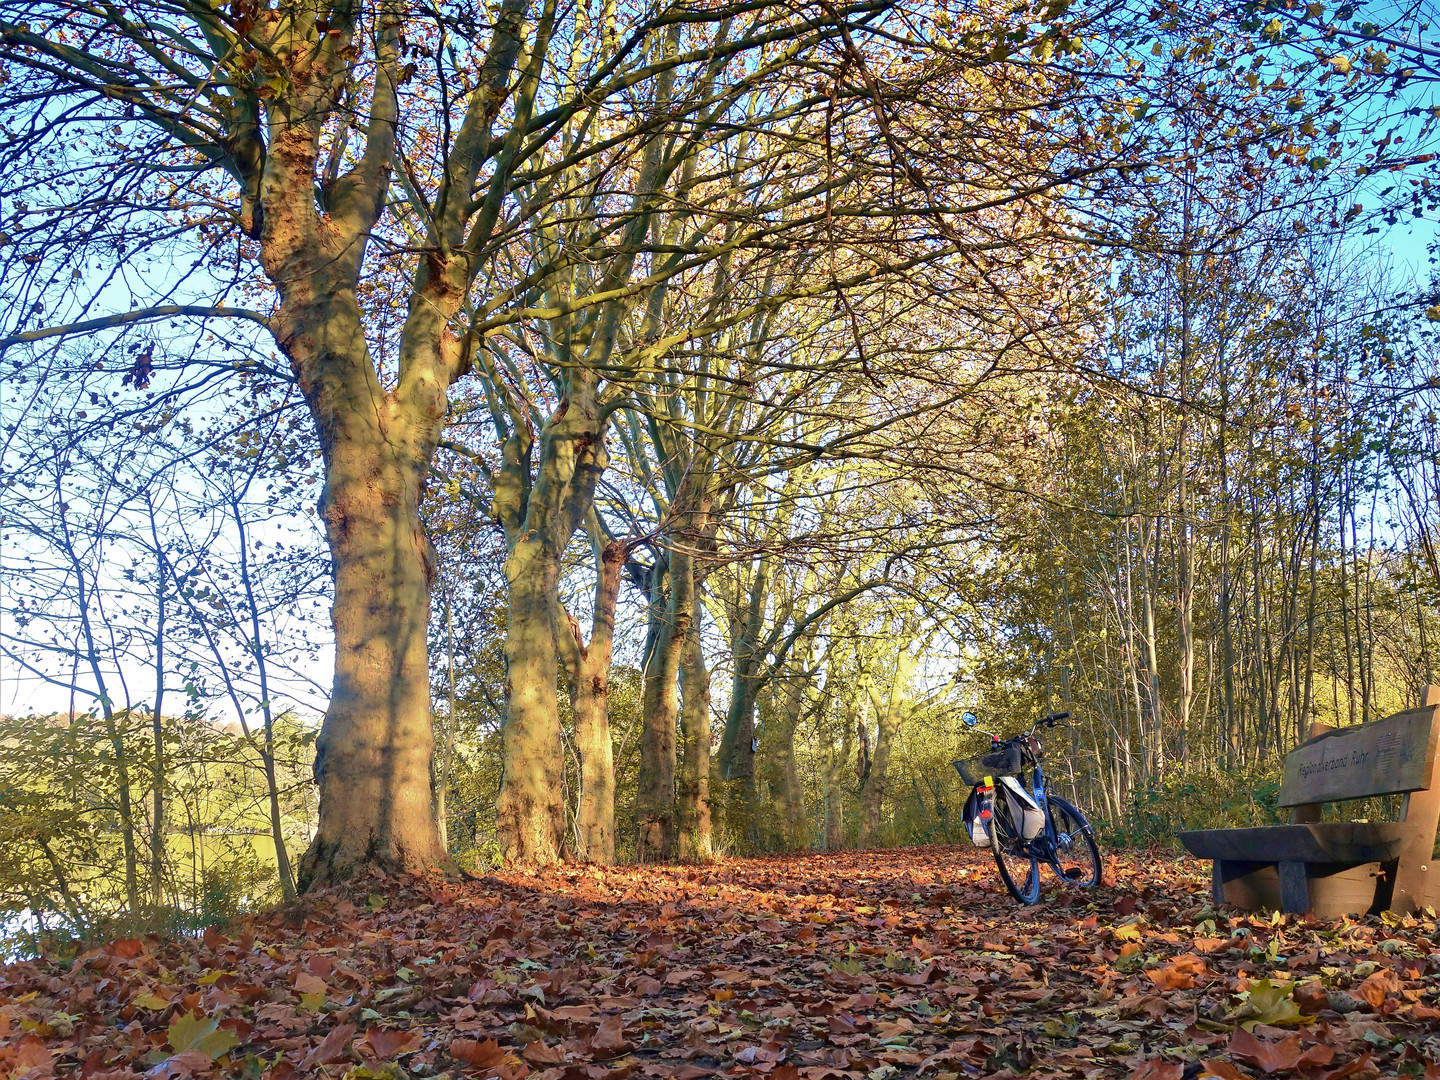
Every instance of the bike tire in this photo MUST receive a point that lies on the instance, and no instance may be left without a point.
(1076, 858)
(1022, 879)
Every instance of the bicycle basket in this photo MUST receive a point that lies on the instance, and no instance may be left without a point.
(973, 770)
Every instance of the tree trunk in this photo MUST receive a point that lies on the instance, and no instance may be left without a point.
(737, 742)
(833, 771)
(539, 522)
(889, 715)
(529, 812)
(692, 790)
(789, 794)
(372, 759)
(589, 669)
(655, 799)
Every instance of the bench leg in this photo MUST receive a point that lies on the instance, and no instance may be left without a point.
(1294, 888)
(1217, 881)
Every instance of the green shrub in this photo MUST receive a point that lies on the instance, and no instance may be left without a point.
(1159, 811)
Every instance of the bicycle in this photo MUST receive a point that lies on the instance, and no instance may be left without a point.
(1033, 825)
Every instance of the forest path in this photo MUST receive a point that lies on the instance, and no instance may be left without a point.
(854, 966)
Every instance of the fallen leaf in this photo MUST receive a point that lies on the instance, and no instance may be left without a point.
(1363, 1066)
(537, 1053)
(187, 1032)
(1374, 989)
(30, 1056)
(1311, 996)
(1223, 1070)
(483, 1055)
(305, 983)
(388, 1044)
(331, 1048)
(183, 1065)
(1271, 1057)
(1158, 1069)
(609, 1038)
(1268, 1003)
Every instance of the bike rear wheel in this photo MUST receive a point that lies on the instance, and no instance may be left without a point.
(1019, 868)
(1077, 858)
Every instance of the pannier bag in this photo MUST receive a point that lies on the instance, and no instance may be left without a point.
(1026, 818)
(979, 809)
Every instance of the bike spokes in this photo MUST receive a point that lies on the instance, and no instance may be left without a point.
(1019, 868)
(1075, 859)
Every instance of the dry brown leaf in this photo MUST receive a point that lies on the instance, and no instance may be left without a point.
(331, 1048)
(484, 1054)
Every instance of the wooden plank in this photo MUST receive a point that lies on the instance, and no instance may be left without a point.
(1324, 842)
(1305, 813)
(1294, 888)
(1347, 890)
(1330, 889)
(1417, 878)
(1251, 886)
(1385, 756)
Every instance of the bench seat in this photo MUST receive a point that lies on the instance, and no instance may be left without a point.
(1321, 842)
(1341, 868)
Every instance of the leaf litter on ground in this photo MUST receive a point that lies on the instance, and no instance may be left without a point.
(878, 965)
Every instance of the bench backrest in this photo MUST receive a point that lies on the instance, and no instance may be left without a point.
(1384, 757)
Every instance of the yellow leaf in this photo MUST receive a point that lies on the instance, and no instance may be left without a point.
(189, 1032)
(1128, 932)
(150, 1001)
(1269, 1003)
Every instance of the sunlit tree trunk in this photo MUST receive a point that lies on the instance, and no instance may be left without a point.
(588, 669)
(673, 609)
(833, 761)
(692, 794)
(890, 715)
(373, 755)
(539, 522)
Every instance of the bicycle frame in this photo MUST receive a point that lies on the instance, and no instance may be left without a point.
(1057, 841)
(1038, 793)
(1032, 781)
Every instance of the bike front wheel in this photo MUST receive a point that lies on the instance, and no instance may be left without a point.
(1077, 858)
(1019, 868)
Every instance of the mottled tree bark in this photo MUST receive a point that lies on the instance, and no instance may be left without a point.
(539, 522)
(788, 795)
(373, 755)
(692, 789)
(655, 799)
(890, 715)
(588, 670)
(832, 776)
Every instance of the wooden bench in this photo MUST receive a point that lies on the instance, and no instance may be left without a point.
(1341, 868)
